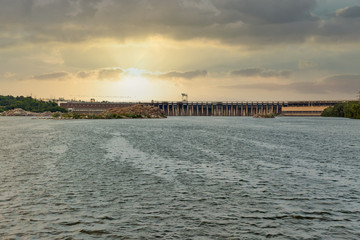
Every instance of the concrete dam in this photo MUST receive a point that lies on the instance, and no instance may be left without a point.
(296, 108)
(185, 108)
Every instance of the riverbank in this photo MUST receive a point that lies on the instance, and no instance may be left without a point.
(19, 112)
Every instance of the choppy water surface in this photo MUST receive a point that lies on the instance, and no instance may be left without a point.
(180, 178)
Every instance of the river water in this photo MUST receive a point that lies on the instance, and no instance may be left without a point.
(180, 178)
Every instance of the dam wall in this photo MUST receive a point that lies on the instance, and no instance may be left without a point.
(304, 108)
(185, 108)
(217, 108)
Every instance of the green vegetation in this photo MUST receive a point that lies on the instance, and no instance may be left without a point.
(346, 109)
(56, 115)
(28, 104)
(270, 115)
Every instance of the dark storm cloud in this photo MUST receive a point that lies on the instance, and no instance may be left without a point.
(99, 74)
(349, 12)
(342, 83)
(347, 83)
(84, 74)
(269, 11)
(339, 29)
(185, 75)
(109, 73)
(242, 22)
(52, 76)
(251, 72)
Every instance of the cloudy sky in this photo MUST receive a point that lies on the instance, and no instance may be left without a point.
(140, 50)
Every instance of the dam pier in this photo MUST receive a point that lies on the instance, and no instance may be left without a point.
(217, 108)
(239, 109)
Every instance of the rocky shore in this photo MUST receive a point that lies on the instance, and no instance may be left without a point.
(21, 112)
(139, 110)
(135, 111)
(270, 115)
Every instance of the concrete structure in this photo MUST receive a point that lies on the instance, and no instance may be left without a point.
(303, 111)
(295, 108)
(243, 108)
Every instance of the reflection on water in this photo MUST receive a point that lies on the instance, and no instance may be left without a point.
(201, 177)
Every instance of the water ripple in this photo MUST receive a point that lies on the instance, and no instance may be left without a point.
(180, 178)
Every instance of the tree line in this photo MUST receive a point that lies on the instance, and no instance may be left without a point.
(28, 104)
(347, 109)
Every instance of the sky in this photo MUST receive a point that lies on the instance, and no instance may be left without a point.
(213, 50)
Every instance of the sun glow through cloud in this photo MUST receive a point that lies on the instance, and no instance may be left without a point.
(268, 50)
(135, 84)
